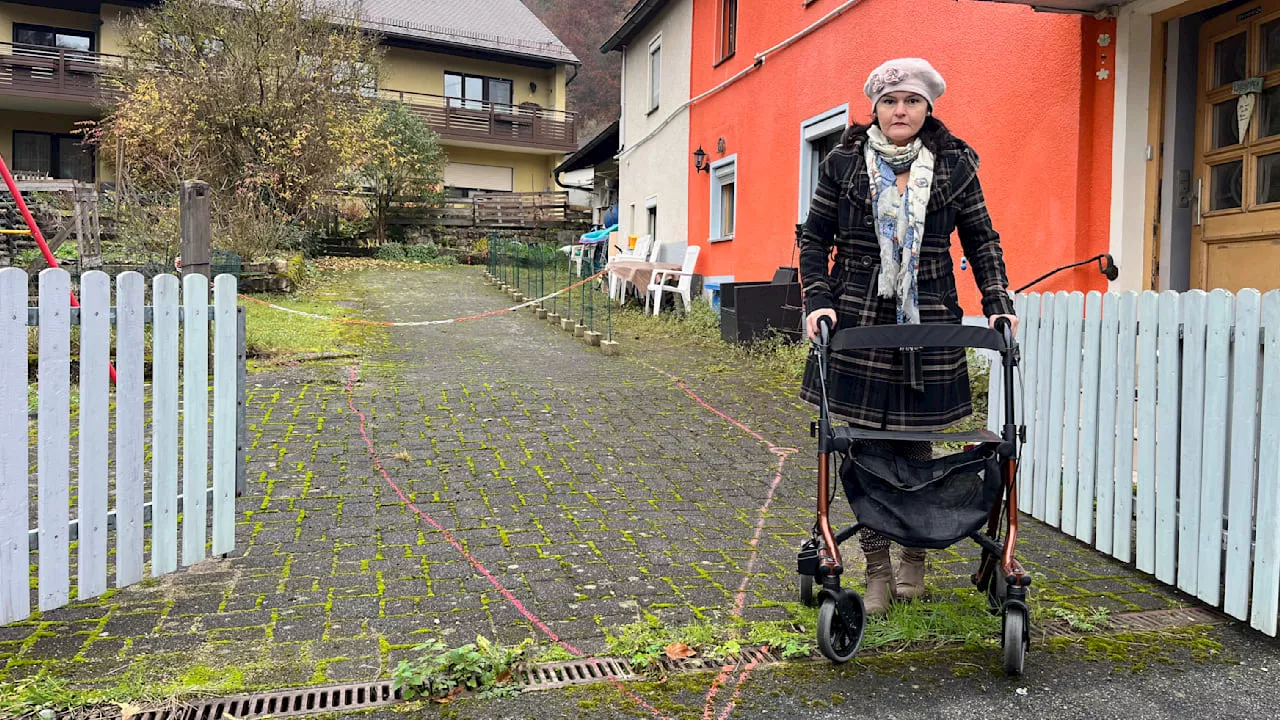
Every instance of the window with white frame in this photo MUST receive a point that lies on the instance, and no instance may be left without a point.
(724, 198)
(655, 72)
(651, 219)
(818, 137)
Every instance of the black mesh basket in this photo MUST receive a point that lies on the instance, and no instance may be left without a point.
(922, 503)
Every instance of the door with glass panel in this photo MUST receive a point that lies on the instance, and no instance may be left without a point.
(1236, 238)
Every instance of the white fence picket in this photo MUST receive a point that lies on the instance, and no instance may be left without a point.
(1026, 397)
(1167, 386)
(53, 437)
(95, 403)
(1108, 366)
(1178, 386)
(164, 426)
(1044, 361)
(129, 427)
(15, 568)
(1218, 315)
(1071, 413)
(1057, 399)
(1242, 443)
(195, 416)
(224, 414)
(96, 506)
(1266, 564)
(1086, 464)
(1122, 510)
(1190, 441)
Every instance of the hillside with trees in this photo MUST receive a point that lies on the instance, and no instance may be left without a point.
(584, 25)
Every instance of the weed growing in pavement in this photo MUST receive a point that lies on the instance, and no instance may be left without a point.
(442, 673)
(1088, 620)
(645, 643)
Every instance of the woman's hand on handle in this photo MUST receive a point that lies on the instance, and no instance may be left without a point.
(1013, 322)
(811, 321)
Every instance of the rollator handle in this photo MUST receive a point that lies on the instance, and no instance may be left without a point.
(825, 326)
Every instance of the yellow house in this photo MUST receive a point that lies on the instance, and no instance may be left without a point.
(487, 76)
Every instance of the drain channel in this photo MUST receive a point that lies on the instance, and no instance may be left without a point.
(282, 704)
(549, 676)
(1146, 620)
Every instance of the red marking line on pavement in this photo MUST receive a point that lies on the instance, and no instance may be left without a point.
(448, 536)
(708, 709)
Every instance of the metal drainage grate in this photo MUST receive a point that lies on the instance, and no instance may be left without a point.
(1165, 619)
(1145, 620)
(574, 672)
(740, 659)
(594, 670)
(282, 704)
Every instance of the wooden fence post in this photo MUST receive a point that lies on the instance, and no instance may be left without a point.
(196, 227)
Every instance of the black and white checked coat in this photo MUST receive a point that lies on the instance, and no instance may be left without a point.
(872, 388)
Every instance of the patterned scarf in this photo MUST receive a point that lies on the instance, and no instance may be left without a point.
(899, 220)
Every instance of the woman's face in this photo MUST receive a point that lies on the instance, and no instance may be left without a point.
(901, 115)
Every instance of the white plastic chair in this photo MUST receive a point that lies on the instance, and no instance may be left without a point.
(639, 253)
(683, 286)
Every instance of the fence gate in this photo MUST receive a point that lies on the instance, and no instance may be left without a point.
(1152, 423)
(118, 502)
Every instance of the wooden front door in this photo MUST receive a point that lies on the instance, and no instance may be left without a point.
(1236, 241)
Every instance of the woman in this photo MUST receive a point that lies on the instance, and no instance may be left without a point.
(887, 201)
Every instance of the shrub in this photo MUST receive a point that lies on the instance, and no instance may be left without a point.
(391, 251)
(425, 253)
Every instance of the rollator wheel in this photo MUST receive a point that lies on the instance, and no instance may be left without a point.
(807, 596)
(837, 641)
(1015, 640)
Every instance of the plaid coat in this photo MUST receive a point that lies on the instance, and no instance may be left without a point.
(923, 390)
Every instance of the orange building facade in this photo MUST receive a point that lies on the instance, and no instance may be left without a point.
(773, 82)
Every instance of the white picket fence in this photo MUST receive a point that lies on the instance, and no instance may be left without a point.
(48, 545)
(1153, 433)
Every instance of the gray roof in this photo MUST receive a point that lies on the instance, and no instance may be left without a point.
(505, 26)
(636, 19)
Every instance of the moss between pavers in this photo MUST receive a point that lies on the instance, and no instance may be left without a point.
(151, 678)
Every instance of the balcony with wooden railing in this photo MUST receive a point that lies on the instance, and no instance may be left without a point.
(525, 125)
(38, 71)
(52, 73)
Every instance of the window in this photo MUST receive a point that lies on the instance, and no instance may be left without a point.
(473, 91)
(724, 198)
(61, 38)
(651, 220)
(728, 29)
(655, 73)
(56, 156)
(818, 137)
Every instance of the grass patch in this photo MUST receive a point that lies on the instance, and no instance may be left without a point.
(325, 289)
(948, 618)
(272, 333)
(138, 685)
(646, 642)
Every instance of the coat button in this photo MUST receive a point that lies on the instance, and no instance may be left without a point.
(867, 220)
(866, 261)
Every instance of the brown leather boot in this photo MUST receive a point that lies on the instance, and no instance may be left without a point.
(879, 583)
(911, 574)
